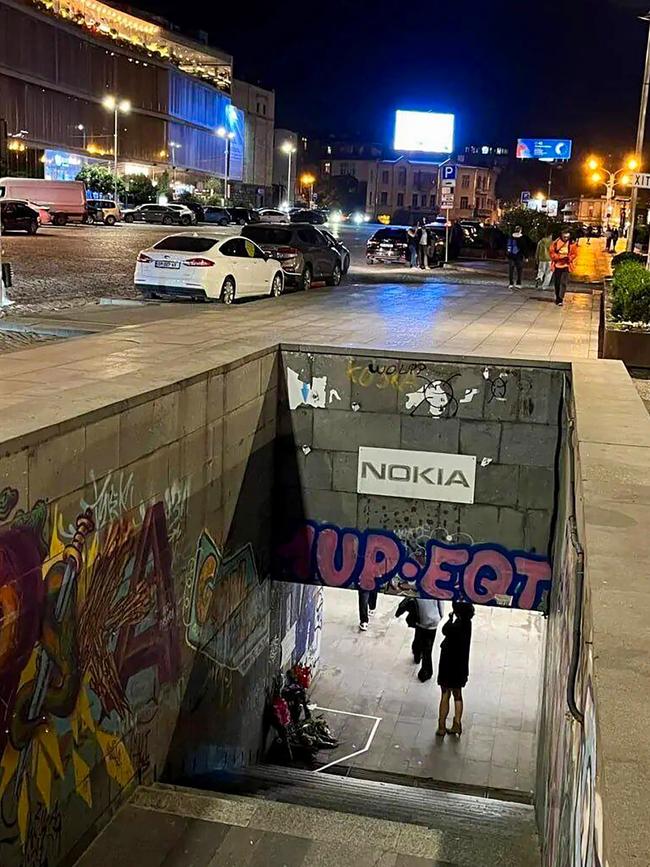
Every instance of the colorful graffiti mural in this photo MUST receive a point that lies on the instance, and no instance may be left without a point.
(485, 574)
(87, 642)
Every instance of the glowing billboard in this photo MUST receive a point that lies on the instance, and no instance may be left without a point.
(424, 131)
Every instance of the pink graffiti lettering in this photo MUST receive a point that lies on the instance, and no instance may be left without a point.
(488, 574)
(298, 552)
(535, 572)
(326, 548)
(382, 557)
(435, 579)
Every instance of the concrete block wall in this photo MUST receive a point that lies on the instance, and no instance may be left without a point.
(505, 415)
(163, 654)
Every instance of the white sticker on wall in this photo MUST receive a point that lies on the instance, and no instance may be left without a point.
(416, 475)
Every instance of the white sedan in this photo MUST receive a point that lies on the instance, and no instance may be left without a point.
(273, 215)
(206, 266)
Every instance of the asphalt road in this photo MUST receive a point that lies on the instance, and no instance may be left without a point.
(75, 265)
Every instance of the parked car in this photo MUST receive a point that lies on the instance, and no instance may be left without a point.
(304, 251)
(342, 250)
(390, 246)
(153, 214)
(273, 215)
(44, 216)
(65, 200)
(308, 216)
(18, 216)
(205, 266)
(105, 211)
(197, 209)
(243, 216)
(214, 214)
(188, 217)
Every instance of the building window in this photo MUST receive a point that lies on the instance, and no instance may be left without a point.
(400, 200)
(384, 177)
(424, 200)
(383, 198)
(401, 178)
(464, 182)
(464, 203)
(486, 183)
(432, 201)
(414, 200)
(327, 168)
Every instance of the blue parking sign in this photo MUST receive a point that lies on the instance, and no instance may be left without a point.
(448, 173)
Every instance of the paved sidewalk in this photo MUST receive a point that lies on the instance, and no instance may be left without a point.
(372, 673)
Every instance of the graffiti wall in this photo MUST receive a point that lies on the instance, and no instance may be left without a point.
(417, 476)
(568, 803)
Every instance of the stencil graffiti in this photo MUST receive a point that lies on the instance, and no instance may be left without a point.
(438, 397)
(227, 612)
(498, 385)
(486, 574)
(312, 393)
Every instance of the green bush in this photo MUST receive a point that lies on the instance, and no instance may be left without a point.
(631, 296)
(627, 257)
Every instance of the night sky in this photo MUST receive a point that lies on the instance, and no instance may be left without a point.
(506, 68)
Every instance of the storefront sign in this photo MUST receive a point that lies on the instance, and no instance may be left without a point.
(416, 475)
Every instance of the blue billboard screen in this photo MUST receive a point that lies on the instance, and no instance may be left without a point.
(544, 148)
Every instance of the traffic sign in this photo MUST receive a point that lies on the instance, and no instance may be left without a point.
(544, 148)
(447, 202)
(525, 196)
(641, 181)
(448, 173)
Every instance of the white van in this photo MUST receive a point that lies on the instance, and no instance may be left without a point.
(65, 200)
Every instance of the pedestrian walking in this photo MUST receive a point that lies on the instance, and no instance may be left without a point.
(543, 259)
(423, 243)
(367, 606)
(453, 667)
(515, 252)
(429, 616)
(608, 239)
(615, 236)
(412, 245)
(563, 254)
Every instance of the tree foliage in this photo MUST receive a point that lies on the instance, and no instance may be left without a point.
(140, 189)
(535, 224)
(100, 179)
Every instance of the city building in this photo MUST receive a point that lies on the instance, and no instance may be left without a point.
(405, 189)
(59, 62)
(598, 210)
(258, 106)
(474, 192)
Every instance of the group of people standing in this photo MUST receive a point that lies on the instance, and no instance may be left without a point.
(418, 242)
(554, 259)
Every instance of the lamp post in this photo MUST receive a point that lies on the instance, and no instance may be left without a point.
(82, 130)
(174, 145)
(228, 135)
(288, 149)
(112, 103)
(609, 179)
(640, 132)
(308, 180)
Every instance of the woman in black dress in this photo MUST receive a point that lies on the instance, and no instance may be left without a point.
(453, 668)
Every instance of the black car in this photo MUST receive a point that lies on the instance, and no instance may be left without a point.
(197, 210)
(390, 246)
(314, 217)
(243, 216)
(304, 251)
(215, 214)
(17, 216)
(153, 214)
(342, 250)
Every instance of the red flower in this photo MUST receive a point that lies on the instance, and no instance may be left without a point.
(281, 711)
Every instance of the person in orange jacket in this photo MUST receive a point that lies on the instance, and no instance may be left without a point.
(563, 253)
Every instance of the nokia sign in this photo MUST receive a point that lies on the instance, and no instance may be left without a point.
(416, 475)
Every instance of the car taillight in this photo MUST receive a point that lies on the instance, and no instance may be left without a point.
(142, 257)
(198, 262)
(285, 253)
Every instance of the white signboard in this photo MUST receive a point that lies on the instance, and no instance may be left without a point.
(416, 475)
(641, 181)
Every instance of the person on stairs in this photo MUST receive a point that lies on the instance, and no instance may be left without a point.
(453, 667)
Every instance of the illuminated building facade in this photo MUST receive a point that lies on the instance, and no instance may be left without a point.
(60, 58)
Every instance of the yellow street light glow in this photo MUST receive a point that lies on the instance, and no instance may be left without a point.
(124, 105)
(539, 197)
(596, 177)
(109, 103)
(307, 179)
(592, 164)
(633, 164)
(626, 180)
(288, 148)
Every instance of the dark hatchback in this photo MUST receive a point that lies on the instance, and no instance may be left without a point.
(340, 248)
(243, 216)
(305, 253)
(316, 218)
(17, 216)
(390, 247)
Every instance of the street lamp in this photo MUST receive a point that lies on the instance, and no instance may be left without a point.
(82, 130)
(288, 148)
(112, 103)
(228, 135)
(601, 175)
(173, 145)
(308, 180)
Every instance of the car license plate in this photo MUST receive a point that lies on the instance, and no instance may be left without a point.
(161, 263)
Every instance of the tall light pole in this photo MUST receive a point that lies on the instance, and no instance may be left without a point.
(173, 145)
(112, 103)
(228, 135)
(609, 179)
(308, 180)
(82, 130)
(640, 132)
(288, 149)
